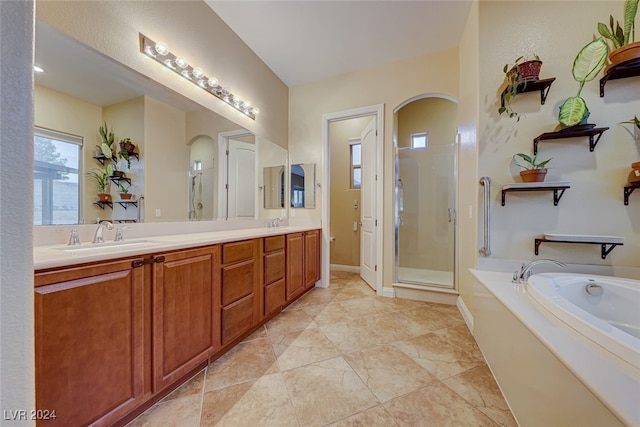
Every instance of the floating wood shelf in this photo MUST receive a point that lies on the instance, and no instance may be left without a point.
(542, 85)
(605, 247)
(558, 189)
(620, 71)
(629, 189)
(571, 134)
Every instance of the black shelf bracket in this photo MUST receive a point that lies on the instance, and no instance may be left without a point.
(604, 250)
(591, 133)
(557, 192)
(542, 85)
(125, 203)
(621, 71)
(628, 190)
(101, 205)
(118, 179)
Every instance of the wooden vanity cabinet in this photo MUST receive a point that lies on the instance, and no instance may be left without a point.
(274, 281)
(184, 322)
(89, 342)
(311, 258)
(238, 299)
(295, 265)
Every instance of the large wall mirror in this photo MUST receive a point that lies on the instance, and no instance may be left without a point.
(189, 163)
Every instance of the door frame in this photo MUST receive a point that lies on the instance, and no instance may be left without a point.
(378, 112)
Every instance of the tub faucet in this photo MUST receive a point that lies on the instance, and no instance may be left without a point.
(522, 275)
(101, 225)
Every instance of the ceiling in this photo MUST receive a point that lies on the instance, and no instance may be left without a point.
(304, 41)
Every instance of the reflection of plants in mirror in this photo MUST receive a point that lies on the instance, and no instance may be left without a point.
(530, 163)
(123, 189)
(635, 121)
(101, 178)
(586, 66)
(112, 170)
(108, 137)
(127, 149)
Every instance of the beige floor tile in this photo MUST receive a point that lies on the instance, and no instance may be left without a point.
(438, 356)
(264, 402)
(325, 314)
(327, 391)
(246, 361)
(287, 322)
(388, 372)
(377, 416)
(431, 319)
(318, 296)
(394, 326)
(183, 412)
(302, 348)
(357, 334)
(258, 334)
(436, 406)
(190, 388)
(351, 292)
(478, 387)
(365, 306)
(460, 336)
(402, 304)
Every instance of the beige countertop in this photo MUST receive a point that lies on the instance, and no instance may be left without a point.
(61, 255)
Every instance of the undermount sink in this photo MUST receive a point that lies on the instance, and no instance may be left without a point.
(100, 247)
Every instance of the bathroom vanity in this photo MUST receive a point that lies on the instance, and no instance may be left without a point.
(118, 329)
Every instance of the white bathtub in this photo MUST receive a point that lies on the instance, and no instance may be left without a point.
(611, 320)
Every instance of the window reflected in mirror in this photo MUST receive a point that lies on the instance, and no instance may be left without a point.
(274, 187)
(303, 182)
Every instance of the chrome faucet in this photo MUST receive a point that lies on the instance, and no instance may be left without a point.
(74, 239)
(119, 236)
(101, 225)
(522, 275)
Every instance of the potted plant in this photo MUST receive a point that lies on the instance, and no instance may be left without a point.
(127, 150)
(124, 192)
(533, 171)
(102, 180)
(114, 172)
(622, 38)
(106, 147)
(517, 75)
(636, 127)
(587, 65)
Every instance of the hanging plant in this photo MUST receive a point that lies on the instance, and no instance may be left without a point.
(586, 67)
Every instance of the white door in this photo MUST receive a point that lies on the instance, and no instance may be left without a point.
(368, 205)
(242, 182)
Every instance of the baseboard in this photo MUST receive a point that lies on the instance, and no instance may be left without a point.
(466, 314)
(388, 292)
(425, 293)
(348, 268)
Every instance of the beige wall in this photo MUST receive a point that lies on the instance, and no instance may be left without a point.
(57, 111)
(391, 85)
(190, 28)
(594, 203)
(437, 116)
(345, 250)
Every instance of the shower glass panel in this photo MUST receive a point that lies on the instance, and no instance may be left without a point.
(425, 185)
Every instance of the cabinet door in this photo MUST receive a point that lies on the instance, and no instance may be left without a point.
(89, 343)
(183, 316)
(311, 258)
(295, 265)
(274, 275)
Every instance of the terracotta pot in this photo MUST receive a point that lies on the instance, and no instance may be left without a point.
(529, 70)
(624, 54)
(125, 196)
(104, 197)
(534, 175)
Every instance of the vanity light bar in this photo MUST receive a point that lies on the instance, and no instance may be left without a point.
(195, 75)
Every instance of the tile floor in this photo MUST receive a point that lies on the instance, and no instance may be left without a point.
(344, 357)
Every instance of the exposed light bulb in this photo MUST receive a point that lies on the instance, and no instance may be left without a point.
(213, 82)
(197, 72)
(202, 83)
(168, 63)
(38, 69)
(181, 62)
(185, 74)
(149, 51)
(256, 110)
(161, 48)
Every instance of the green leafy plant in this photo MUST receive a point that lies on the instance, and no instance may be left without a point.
(617, 35)
(101, 178)
(588, 63)
(123, 189)
(515, 79)
(108, 137)
(635, 121)
(126, 150)
(530, 163)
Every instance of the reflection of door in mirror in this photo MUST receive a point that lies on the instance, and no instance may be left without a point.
(273, 177)
(303, 183)
(237, 177)
(202, 179)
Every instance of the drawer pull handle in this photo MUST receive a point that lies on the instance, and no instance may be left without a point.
(140, 262)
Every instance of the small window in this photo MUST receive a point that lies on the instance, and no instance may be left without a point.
(420, 140)
(356, 165)
(56, 187)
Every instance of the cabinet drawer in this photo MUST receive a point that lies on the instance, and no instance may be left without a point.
(236, 319)
(274, 297)
(237, 251)
(274, 267)
(237, 281)
(273, 243)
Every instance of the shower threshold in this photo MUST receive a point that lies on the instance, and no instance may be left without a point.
(421, 276)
